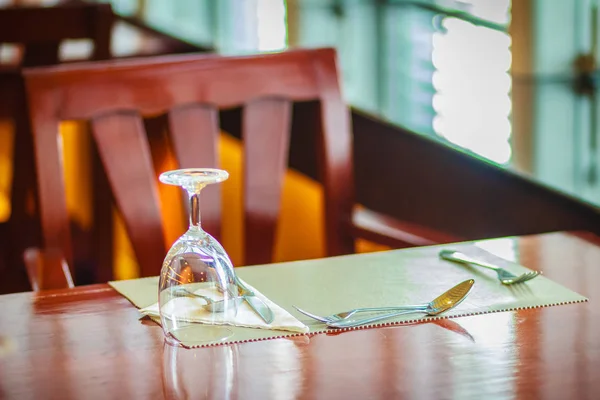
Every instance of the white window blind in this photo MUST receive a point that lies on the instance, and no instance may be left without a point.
(472, 82)
(271, 25)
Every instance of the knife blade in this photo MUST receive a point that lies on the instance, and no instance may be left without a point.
(260, 307)
(255, 303)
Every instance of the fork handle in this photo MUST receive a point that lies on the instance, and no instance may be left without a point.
(353, 323)
(459, 257)
(419, 307)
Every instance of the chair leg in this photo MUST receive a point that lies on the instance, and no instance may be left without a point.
(24, 227)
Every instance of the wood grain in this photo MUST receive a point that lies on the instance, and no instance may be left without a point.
(96, 346)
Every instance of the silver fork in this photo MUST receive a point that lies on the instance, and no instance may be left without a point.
(347, 314)
(504, 276)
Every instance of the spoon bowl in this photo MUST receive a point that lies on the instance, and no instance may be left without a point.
(450, 298)
(214, 306)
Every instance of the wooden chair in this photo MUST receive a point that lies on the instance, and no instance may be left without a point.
(40, 31)
(114, 96)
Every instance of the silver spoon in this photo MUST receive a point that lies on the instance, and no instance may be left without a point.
(444, 302)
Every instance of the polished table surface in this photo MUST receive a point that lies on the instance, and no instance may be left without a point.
(88, 342)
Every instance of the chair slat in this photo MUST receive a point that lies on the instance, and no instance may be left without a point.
(266, 130)
(125, 154)
(194, 132)
(335, 158)
(53, 203)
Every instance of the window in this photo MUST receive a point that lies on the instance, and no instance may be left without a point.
(472, 82)
(436, 67)
(271, 25)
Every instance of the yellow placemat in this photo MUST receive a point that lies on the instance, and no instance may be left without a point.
(390, 278)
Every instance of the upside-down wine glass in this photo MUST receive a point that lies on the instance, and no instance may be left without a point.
(198, 294)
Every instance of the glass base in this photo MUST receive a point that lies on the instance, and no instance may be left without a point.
(193, 176)
(198, 334)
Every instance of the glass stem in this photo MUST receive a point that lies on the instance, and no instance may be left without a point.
(194, 199)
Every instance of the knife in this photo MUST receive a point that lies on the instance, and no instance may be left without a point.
(256, 304)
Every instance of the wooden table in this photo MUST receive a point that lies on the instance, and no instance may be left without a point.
(88, 343)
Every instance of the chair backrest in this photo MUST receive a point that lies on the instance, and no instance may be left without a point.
(41, 29)
(115, 95)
